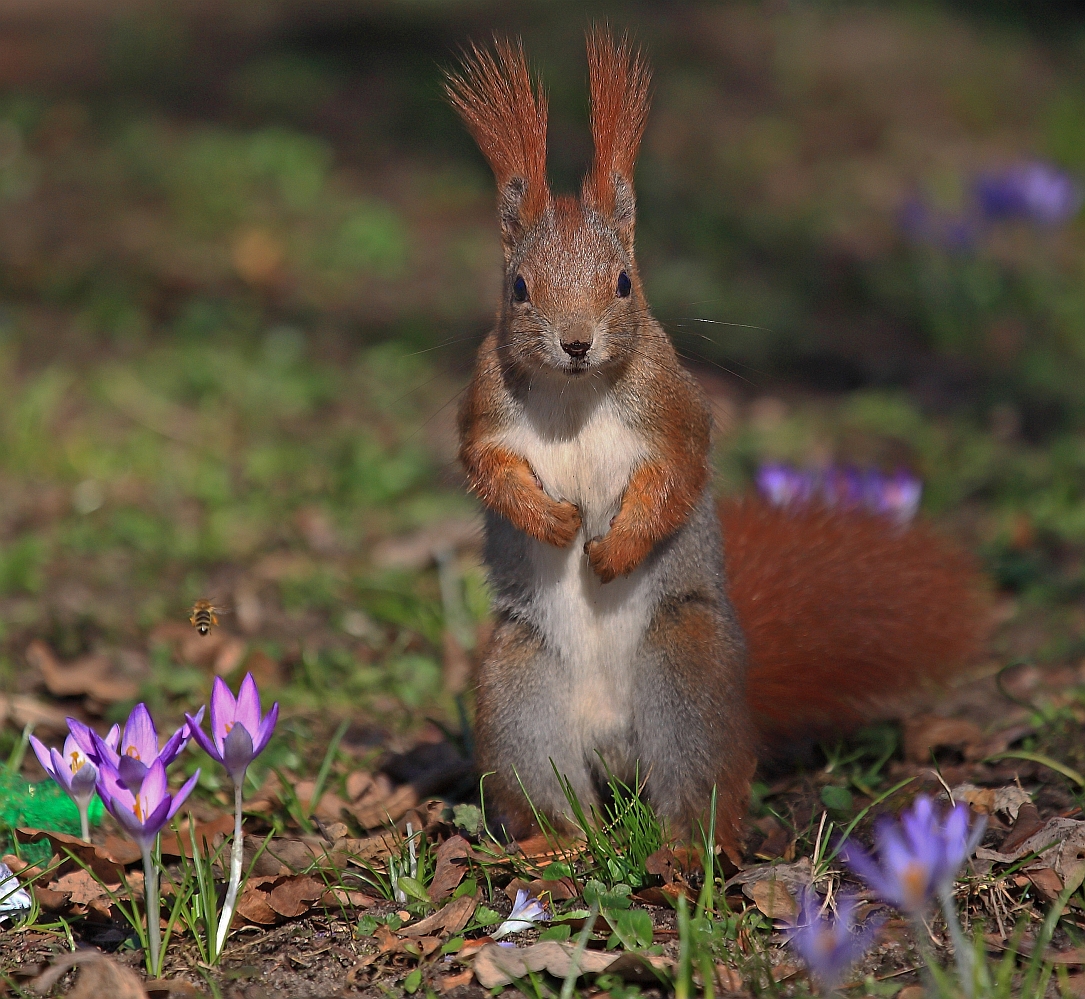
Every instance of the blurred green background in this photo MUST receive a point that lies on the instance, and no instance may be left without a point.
(247, 252)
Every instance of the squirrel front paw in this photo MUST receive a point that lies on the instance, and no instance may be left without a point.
(615, 554)
(559, 523)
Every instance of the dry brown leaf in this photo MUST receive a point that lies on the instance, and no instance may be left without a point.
(1046, 882)
(92, 676)
(346, 898)
(358, 782)
(661, 864)
(446, 983)
(209, 836)
(99, 976)
(642, 969)
(23, 710)
(253, 904)
(447, 921)
(173, 988)
(101, 861)
(50, 900)
(295, 894)
(82, 888)
(496, 965)
(450, 868)
(371, 815)
(926, 732)
(772, 899)
(1028, 824)
(1060, 845)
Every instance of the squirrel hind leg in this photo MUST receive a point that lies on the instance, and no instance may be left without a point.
(695, 734)
(524, 734)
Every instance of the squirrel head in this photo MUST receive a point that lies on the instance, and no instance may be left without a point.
(572, 301)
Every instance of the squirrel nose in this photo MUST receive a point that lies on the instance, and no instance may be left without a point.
(576, 348)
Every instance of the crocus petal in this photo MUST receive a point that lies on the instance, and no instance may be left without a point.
(132, 773)
(248, 705)
(155, 788)
(198, 718)
(103, 753)
(84, 737)
(237, 752)
(267, 727)
(84, 780)
(113, 737)
(174, 744)
(223, 711)
(201, 739)
(61, 774)
(140, 736)
(182, 794)
(42, 752)
(128, 818)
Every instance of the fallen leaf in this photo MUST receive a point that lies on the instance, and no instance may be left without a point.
(661, 864)
(447, 921)
(23, 710)
(642, 969)
(926, 732)
(82, 888)
(346, 898)
(446, 983)
(209, 837)
(772, 899)
(101, 861)
(373, 815)
(254, 905)
(1046, 882)
(357, 783)
(294, 895)
(173, 988)
(1028, 824)
(99, 976)
(495, 965)
(450, 868)
(92, 676)
(1060, 845)
(50, 900)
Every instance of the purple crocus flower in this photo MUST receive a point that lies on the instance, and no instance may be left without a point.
(830, 946)
(1035, 191)
(73, 771)
(919, 856)
(138, 748)
(526, 912)
(87, 739)
(145, 812)
(238, 731)
(783, 485)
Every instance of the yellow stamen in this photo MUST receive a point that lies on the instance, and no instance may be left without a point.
(133, 752)
(914, 880)
(77, 761)
(229, 725)
(137, 807)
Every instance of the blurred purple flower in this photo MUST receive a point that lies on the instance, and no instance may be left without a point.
(1035, 191)
(143, 813)
(72, 769)
(919, 856)
(896, 495)
(923, 223)
(830, 946)
(138, 749)
(238, 731)
(783, 485)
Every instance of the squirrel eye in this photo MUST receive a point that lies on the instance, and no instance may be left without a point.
(624, 285)
(519, 289)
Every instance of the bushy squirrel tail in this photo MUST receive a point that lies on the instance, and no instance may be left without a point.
(845, 612)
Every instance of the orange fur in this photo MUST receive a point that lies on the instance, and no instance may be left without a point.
(506, 484)
(506, 116)
(843, 612)
(619, 80)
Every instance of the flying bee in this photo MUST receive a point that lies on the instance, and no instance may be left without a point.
(204, 616)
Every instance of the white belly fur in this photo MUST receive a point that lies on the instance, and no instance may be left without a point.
(585, 454)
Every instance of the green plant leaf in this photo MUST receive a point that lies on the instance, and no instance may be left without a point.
(838, 799)
(413, 981)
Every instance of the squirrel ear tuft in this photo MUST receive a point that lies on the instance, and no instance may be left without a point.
(620, 80)
(506, 115)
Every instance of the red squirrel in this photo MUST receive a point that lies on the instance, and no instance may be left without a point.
(619, 637)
